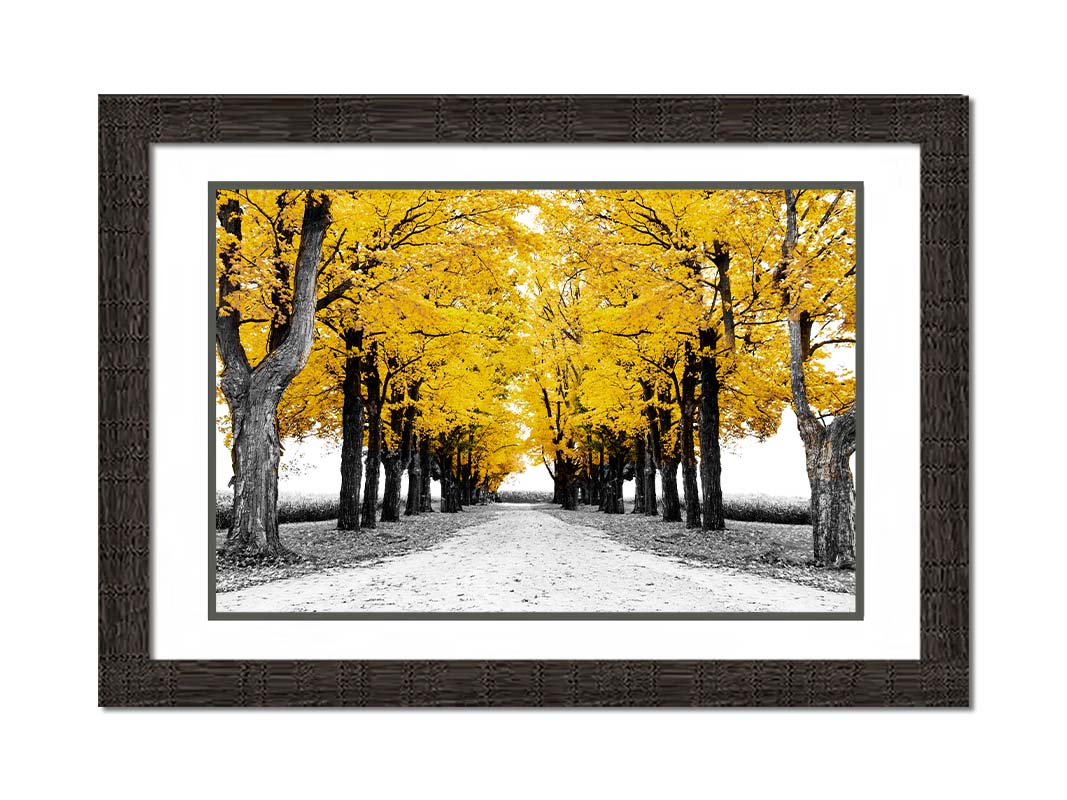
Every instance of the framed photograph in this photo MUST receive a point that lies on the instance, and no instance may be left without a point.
(534, 401)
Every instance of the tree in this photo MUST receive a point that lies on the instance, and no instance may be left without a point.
(818, 260)
(660, 267)
(421, 274)
(253, 392)
(554, 356)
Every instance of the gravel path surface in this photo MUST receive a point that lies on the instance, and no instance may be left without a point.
(523, 560)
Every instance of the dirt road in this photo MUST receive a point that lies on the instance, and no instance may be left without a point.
(523, 560)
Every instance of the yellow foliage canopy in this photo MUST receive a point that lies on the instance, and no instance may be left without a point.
(534, 324)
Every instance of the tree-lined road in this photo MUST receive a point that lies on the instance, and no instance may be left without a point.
(523, 560)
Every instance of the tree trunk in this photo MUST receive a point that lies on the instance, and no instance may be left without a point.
(610, 498)
(585, 494)
(394, 469)
(414, 500)
(688, 408)
(569, 489)
(557, 481)
(351, 434)
(721, 258)
(426, 467)
(618, 466)
(368, 518)
(827, 449)
(654, 450)
(710, 454)
(446, 492)
(689, 485)
(833, 493)
(397, 461)
(253, 394)
(449, 483)
(457, 482)
(651, 509)
(468, 474)
(639, 473)
(256, 453)
(668, 474)
(602, 482)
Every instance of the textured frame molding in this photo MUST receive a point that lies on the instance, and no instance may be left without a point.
(128, 676)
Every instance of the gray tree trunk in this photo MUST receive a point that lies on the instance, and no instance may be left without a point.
(654, 451)
(373, 409)
(639, 473)
(426, 468)
(256, 453)
(396, 461)
(412, 505)
(651, 508)
(450, 501)
(710, 455)
(394, 469)
(351, 434)
(668, 464)
(566, 470)
(687, 405)
(668, 475)
(827, 449)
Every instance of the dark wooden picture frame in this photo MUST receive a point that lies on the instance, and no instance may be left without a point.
(128, 125)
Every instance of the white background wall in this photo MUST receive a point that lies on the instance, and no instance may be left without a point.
(54, 63)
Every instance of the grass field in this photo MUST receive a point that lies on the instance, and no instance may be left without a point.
(308, 507)
(292, 507)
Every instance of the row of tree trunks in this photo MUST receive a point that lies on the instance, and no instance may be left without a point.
(701, 479)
